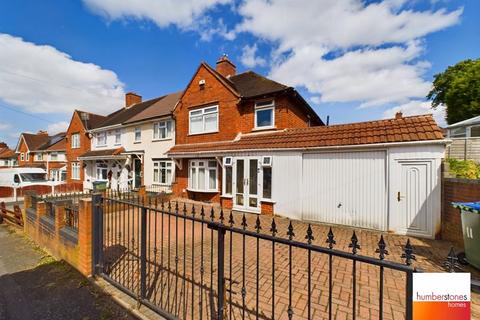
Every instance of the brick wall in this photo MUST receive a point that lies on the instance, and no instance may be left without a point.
(456, 190)
(72, 154)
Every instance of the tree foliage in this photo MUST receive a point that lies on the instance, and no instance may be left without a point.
(458, 88)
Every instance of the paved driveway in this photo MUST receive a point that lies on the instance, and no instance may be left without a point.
(178, 255)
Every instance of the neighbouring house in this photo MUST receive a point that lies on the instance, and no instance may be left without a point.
(465, 136)
(78, 142)
(8, 158)
(128, 148)
(44, 151)
(255, 145)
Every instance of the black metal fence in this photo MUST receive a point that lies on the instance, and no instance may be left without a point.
(193, 264)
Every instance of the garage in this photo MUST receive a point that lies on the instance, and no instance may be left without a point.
(346, 188)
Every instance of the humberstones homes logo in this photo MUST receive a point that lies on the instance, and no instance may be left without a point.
(441, 296)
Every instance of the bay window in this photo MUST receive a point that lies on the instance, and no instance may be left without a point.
(265, 114)
(162, 130)
(203, 175)
(203, 120)
(162, 172)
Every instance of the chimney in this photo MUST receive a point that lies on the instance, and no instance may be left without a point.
(42, 133)
(131, 98)
(398, 115)
(225, 67)
(3, 145)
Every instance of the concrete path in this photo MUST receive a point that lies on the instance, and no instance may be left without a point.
(34, 286)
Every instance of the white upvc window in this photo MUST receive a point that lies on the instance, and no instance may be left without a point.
(39, 157)
(162, 172)
(475, 131)
(227, 176)
(22, 157)
(162, 130)
(53, 156)
(101, 139)
(265, 114)
(118, 136)
(75, 170)
(203, 120)
(75, 141)
(203, 175)
(138, 134)
(102, 171)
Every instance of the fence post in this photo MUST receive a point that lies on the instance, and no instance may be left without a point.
(409, 296)
(143, 254)
(59, 219)
(221, 272)
(97, 227)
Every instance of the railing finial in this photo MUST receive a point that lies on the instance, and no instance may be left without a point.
(408, 253)
(354, 243)
(382, 248)
(309, 235)
(290, 232)
(331, 239)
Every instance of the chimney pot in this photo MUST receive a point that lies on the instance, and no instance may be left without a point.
(132, 98)
(42, 132)
(399, 115)
(225, 67)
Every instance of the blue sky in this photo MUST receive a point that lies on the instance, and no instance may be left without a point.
(352, 60)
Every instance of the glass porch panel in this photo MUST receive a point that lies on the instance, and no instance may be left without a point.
(253, 177)
(239, 182)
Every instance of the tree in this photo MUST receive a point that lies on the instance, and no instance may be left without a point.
(458, 88)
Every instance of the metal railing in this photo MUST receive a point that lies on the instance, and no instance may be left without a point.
(189, 263)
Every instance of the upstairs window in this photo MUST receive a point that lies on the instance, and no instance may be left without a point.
(75, 141)
(101, 139)
(39, 157)
(138, 134)
(118, 136)
(76, 170)
(264, 114)
(21, 156)
(162, 130)
(203, 120)
(54, 156)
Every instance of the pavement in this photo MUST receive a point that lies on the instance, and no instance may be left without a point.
(34, 286)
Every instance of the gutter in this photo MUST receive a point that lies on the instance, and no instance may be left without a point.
(103, 157)
(361, 146)
(113, 126)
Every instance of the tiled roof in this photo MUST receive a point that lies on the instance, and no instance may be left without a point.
(250, 84)
(125, 114)
(402, 129)
(58, 146)
(7, 154)
(103, 153)
(35, 141)
(162, 107)
(92, 121)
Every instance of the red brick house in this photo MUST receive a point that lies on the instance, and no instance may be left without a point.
(255, 145)
(78, 142)
(217, 106)
(8, 158)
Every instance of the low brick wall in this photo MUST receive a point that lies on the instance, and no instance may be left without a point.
(73, 246)
(456, 190)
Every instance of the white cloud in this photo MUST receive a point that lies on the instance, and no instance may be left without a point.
(416, 107)
(57, 127)
(42, 79)
(347, 50)
(4, 126)
(184, 13)
(249, 57)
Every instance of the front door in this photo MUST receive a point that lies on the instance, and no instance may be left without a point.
(414, 214)
(247, 184)
(138, 172)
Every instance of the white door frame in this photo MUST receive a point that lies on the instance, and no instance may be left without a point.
(397, 216)
(246, 195)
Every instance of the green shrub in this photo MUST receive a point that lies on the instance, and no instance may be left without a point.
(466, 169)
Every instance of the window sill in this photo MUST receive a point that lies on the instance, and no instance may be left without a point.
(268, 201)
(264, 128)
(202, 191)
(226, 196)
(137, 142)
(200, 133)
(162, 139)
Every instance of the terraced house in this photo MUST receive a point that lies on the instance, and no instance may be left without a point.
(255, 145)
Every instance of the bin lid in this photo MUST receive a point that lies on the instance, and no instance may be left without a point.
(468, 206)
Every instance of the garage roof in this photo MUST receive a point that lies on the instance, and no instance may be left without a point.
(398, 129)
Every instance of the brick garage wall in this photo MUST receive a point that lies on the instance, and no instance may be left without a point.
(456, 190)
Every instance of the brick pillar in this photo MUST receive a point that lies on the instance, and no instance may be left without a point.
(85, 236)
(59, 220)
(41, 211)
(142, 192)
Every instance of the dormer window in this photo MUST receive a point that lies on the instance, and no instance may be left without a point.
(265, 114)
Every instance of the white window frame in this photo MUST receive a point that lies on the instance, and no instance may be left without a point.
(102, 167)
(196, 165)
(117, 134)
(139, 131)
(458, 135)
(262, 106)
(22, 157)
(158, 167)
(39, 156)
(104, 137)
(75, 140)
(203, 113)
(162, 125)
(227, 163)
(75, 171)
(56, 156)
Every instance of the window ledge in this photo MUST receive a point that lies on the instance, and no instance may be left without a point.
(226, 196)
(264, 128)
(162, 139)
(202, 191)
(268, 201)
(200, 133)
(137, 142)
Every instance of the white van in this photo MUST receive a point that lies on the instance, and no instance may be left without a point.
(22, 177)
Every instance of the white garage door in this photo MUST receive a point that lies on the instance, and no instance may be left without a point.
(346, 188)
